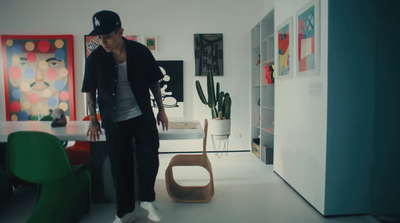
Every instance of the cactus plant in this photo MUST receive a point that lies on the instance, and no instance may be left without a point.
(218, 101)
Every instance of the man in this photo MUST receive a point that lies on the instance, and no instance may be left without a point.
(122, 72)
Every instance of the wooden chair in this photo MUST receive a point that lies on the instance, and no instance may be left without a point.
(190, 193)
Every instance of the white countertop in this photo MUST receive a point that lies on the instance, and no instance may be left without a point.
(76, 130)
(73, 131)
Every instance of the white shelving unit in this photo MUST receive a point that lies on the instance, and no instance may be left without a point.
(262, 93)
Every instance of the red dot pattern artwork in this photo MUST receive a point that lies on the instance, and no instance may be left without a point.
(31, 57)
(33, 98)
(64, 96)
(40, 75)
(15, 106)
(43, 46)
(51, 74)
(15, 72)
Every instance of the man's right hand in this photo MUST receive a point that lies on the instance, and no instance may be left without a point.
(94, 130)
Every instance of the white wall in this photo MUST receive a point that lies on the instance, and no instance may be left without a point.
(301, 118)
(174, 22)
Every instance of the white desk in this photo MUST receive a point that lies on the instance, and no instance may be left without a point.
(102, 184)
(73, 131)
(76, 130)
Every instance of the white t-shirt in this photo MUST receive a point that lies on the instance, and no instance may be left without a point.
(126, 104)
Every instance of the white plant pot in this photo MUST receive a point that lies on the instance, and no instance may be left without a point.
(220, 129)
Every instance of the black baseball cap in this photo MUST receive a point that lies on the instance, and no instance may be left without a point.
(104, 22)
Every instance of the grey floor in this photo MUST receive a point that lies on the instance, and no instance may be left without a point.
(246, 191)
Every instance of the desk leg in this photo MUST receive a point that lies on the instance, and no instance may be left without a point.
(102, 182)
(5, 184)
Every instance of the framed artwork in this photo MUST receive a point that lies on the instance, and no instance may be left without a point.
(152, 43)
(284, 65)
(38, 75)
(308, 39)
(209, 54)
(91, 43)
(171, 88)
(133, 37)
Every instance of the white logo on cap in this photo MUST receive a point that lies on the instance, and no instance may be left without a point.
(96, 21)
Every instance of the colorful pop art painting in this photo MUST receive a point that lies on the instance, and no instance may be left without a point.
(132, 37)
(284, 36)
(38, 73)
(308, 39)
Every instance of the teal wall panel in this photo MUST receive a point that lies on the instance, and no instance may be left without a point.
(351, 81)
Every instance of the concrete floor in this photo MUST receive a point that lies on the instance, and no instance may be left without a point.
(246, 191)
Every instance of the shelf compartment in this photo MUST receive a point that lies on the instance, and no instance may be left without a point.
(268, 98)
(255, 35)
(267, 25)
(255, 131)
(267, 118)
(255, 76)
(267, 49)
(255, 97)
(255, 56)
(255, 118)
(267, 139)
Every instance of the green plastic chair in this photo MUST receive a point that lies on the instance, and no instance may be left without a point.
(48, 118)
(64, 192)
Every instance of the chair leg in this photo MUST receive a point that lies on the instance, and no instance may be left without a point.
(64, 201)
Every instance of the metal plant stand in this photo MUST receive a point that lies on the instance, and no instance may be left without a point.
(220, 144)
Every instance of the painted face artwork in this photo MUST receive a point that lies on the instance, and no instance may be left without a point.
(38, 78)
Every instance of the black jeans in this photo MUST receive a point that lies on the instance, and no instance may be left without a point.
(121, 155)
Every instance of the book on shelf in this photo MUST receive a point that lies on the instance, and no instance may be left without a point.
(263, 154)
(269, 130)
(256, 147)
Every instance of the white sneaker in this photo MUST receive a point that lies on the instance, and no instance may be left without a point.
(151, 207)
(127, 218)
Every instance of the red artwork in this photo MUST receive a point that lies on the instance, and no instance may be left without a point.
(91, 43)
(38, 75)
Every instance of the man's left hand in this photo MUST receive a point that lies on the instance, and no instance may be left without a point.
(162, 117)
